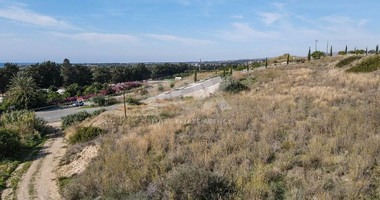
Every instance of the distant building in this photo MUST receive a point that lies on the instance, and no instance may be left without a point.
(61, 91)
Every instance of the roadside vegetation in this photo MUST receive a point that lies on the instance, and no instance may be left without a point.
(369, 64)
(348, 61)
(21, 132)
(304, 131)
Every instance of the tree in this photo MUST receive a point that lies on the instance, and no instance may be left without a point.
(287, 59)
(266, 62)
(23, 93)
(82, 75)
(317, 54)
(66, 72)
(231, 69)
(331, 52)
(102, 75)
(73, 90)
(309, 55)
(366, 50)
(195, 75)
(45, 74)
(377, 49)
(346, 51)
(140, 72)
(6, 74)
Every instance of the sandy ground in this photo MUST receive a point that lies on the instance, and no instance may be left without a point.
(40, 181)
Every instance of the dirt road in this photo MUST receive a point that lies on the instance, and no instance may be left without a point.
(40, 181)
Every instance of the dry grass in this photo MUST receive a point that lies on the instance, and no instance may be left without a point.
(307, 131)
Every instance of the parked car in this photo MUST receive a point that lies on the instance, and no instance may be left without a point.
(78, 103)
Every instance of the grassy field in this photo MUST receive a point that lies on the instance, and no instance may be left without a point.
(304, 131)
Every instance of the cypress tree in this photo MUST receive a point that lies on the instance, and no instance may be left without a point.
(231, 70)
(287, 60)
(247, 66)
(377, 49)
(346, 51)
(309, 55)
(224, 72)
(331, 53)
(195, 75)
(266, 62)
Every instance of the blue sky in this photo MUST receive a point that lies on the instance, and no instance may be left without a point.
(180, 30)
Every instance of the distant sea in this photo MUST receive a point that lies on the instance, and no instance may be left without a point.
(19, 64)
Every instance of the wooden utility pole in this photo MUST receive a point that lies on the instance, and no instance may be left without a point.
(125, 106)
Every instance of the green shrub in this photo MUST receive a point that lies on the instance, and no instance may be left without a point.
(190, 182)
(172, 85)
(98, 112)
(317, 54)
(9, 142)
(85, 134)
(368, 65)
(160, 88)
(110, 102)
(232, 86)
(348, 61)
(74, 118)
(132, 101)
(99, 100)
(143, 92)
(25, 122)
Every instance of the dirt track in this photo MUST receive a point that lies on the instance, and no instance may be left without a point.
(40, 182)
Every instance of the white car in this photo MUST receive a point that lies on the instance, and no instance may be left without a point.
(78, 103)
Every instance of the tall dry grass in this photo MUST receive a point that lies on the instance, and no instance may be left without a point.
(307, 131)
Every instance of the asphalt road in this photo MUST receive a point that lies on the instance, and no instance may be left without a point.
(55, 115)
(185, 91)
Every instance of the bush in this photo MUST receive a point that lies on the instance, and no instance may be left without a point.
(25, 122)
(317, 54)
(98, 112)
(172, 85)
(348, 61)
(232, 86)
(74, 118)
(160, 88)
(132, 101)
(190, 182)
(110, 102)
(85, 134)
(99, 100)
(368, 65)
(143, 92)
(9, 142)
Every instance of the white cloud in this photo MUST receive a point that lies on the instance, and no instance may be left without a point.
(244, 32)
(26, 16)
(96, 38)
(270, 17)
(237, 17)
(183, 40)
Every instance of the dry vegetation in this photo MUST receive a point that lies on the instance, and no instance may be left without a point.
(307, 131)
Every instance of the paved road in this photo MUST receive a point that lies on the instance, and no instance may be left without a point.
(187, 91)
(56, 114)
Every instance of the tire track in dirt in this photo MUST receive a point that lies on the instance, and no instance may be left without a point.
(40, 181)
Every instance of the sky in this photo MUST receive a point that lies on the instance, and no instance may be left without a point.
(181, 30)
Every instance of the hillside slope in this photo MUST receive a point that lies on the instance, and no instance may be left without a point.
(303, 131)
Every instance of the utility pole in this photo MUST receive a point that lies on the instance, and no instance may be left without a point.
(327, 48)
(125, 107)
(316, 45)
